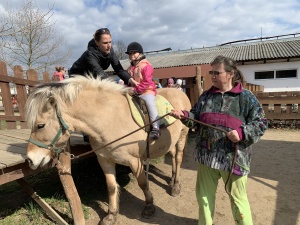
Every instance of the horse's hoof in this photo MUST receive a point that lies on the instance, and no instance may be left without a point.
(176, 190)
(148, 211)
(110, 219)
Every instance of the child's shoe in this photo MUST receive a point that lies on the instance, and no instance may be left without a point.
(154, 134)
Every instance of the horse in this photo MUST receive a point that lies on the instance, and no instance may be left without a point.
(100, 109)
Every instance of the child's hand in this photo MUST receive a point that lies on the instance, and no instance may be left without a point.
(132, 92)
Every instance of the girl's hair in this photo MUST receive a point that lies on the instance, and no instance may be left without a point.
(59, 68)
(230, 65)
(100, 32)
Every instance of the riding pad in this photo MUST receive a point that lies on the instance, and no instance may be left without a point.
(163, 107)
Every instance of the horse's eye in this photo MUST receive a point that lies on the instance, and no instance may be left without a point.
(40, 126)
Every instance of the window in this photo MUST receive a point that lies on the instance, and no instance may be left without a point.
(264, 75)
(286, 73)
(275, 74)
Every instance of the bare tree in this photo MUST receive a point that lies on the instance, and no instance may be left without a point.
(32, 40)
(120, 49)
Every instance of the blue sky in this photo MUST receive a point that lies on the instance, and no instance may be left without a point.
(179, 24)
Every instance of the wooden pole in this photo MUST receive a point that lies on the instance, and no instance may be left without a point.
(198, 88)
(64, 171)
(47, 208)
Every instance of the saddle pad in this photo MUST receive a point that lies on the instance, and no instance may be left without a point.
(163, 107)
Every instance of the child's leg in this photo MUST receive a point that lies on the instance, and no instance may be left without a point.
(150, 103)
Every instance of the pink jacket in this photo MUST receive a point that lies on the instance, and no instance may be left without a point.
(59, 74)
(142, 73)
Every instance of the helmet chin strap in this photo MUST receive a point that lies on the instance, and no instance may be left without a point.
(136, 61)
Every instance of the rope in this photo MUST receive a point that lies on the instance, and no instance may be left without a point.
(86, 153)
(235, 151)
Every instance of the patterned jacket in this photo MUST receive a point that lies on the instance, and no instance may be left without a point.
(237, 110)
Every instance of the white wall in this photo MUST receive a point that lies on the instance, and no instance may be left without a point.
(273, 85)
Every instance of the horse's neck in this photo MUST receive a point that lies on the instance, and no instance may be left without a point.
(99, 113)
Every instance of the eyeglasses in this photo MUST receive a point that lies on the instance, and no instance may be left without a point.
(103, 31)
(215, 73)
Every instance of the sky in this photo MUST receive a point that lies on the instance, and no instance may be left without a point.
(160, 24)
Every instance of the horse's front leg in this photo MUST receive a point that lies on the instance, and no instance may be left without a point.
(177, 156)
(137, 168)
(109, 171)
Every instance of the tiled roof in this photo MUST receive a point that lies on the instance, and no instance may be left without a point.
(262, 50)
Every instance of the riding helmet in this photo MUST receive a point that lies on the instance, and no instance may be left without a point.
(134, 47)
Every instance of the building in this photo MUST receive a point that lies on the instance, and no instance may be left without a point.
(270, 62)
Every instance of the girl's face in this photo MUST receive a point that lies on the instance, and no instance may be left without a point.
(133, 56)
(105, 43)
(220, 78)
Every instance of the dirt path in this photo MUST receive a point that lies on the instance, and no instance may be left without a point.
(273, 189)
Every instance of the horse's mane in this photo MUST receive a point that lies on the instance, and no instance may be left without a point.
(65, 92)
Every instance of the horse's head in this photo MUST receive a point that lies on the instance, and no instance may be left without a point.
(49, 132)
(49, 104)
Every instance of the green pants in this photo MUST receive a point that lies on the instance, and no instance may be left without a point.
(206, 187)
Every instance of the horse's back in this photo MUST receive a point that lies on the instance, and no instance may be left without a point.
(176, 97)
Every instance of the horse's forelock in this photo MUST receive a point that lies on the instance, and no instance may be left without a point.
(42, 94)
(35, 104)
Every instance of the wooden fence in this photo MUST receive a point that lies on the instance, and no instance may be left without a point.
(254, 87)
(281, 107)
(12, 107)
(278, 106)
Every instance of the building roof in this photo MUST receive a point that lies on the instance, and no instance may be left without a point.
(285, 48)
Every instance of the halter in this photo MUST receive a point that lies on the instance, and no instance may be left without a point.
(51, 146)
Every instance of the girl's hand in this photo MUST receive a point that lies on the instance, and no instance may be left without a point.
(131, 91)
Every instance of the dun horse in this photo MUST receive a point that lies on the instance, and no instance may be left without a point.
(100, 109)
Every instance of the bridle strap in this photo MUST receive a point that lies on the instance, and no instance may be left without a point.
(51, 146)
(37, 143)
(62, 122)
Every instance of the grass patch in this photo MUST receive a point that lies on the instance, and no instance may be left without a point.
(16, 207)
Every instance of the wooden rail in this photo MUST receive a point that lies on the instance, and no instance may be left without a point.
(254, 87)
(12, 118)
(281, 105)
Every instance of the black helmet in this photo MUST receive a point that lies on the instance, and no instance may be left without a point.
(134, 47)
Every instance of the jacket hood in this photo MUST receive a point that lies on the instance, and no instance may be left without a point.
(92, 45)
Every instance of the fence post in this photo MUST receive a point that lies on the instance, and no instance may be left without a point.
(21, 94)
(32, 75)
(198, 89)
(46, 77)
(6, 97)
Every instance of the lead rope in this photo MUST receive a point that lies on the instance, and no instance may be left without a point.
(148, 154)
(87, 153)
(235, 151)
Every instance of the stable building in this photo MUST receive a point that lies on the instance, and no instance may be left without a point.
(269, 64)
